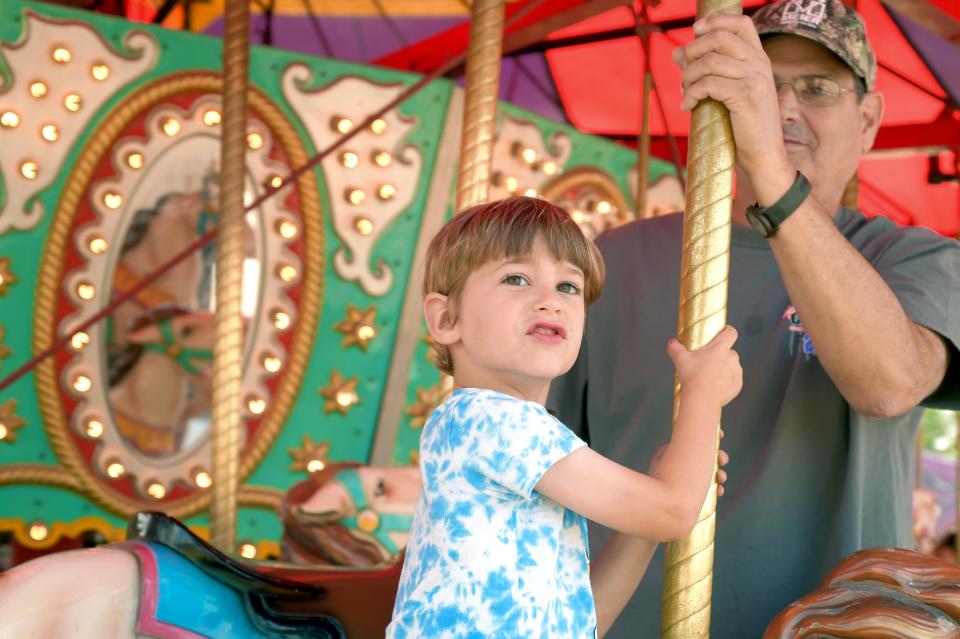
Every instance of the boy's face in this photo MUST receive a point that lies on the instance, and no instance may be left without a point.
(519, 324)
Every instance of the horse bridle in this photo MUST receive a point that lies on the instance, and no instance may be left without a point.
(377, 525)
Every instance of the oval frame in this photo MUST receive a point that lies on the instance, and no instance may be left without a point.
(49, 281)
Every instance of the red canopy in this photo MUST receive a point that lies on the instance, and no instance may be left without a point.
(596, 63)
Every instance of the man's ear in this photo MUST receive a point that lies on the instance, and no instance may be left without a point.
(871, 114)
(438, 312)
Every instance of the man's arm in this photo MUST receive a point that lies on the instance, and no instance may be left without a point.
(881, 361)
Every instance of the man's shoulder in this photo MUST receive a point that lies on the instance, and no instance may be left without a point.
(878, 235)
(652, 231)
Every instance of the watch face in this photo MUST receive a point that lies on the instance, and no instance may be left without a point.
(759, 222)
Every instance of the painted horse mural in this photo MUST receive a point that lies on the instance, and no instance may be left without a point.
(160, 381)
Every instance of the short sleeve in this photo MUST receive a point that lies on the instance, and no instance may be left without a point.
(510, 444)
(923, 270)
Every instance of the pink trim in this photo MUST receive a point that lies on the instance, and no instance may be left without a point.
(147, 622)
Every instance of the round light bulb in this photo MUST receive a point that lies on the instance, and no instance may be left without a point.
(94, 428)
(86, 291)
(9, 120)
(202, 479)
(49, 132)
(212, 117)
(157, 491)
(387, 191)
(281, 320)
(135, 160)
(79, 340)
(382, 159)
(287, 230)
(38, 531)
(363, 225)
(38, 89)
(116, 470)
(72, 102)
(100, 71)
(315, 466)
(82, 384)
(349, 159)
(170, 126)
(378, 126)
(61, 55)
(112, 200)
(29, 169)
(271, 364)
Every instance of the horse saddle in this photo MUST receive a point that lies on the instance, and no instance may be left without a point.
(262, 590)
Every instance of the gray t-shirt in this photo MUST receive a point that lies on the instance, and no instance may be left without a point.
(810, 480)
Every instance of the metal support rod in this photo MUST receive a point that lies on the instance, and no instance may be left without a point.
(480, 102)
(704, 270)
(228, 340)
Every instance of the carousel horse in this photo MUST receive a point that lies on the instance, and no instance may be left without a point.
(164, 582)
(162, 378)
(153, 237)
(878, 593)
(349, 515)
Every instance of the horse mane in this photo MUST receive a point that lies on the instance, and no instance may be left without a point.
(879, 592)
(331, 544)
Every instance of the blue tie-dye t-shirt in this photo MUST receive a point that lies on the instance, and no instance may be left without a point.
(488, 555)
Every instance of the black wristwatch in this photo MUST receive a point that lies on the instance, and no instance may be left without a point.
(767, 220)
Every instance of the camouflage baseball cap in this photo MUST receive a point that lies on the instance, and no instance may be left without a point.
(828, 22)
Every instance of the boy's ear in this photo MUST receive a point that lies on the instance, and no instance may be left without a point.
(439, 315)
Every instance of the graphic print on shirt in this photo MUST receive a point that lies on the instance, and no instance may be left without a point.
(489, 556)
(798, 334)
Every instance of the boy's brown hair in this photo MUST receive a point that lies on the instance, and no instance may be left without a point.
(505, 228)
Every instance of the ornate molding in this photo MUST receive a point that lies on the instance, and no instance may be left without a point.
(46, 327)
(63, 72)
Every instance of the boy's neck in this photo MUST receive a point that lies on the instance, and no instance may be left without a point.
(527, 390)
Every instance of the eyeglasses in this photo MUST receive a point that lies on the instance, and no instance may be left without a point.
(814, 90)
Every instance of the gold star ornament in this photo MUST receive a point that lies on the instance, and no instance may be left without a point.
(310, 457)
(4, 351)
(340, 394)
(7, 277)
(427, 400)
(358, 327)
(9, 422)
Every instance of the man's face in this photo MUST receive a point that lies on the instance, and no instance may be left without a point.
(824, 142)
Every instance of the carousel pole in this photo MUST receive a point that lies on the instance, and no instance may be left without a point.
(228, 342)
(704, 268)
(643, 142)
(480, 102)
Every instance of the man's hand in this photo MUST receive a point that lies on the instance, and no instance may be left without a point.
(727, 63)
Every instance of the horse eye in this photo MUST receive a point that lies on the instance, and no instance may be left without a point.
(187, 330)
(380, 490)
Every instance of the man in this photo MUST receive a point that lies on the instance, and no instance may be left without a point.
(846, 324)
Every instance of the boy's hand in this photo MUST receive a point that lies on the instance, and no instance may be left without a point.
(713, 369)
(722, 460)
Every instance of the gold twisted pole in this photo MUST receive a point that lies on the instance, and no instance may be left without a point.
(228, 343)
(704, 268)
(480, 102)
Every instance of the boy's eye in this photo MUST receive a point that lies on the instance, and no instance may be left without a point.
(568, 287)
(515, 280)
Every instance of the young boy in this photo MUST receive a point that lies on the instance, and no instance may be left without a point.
(499, 545)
